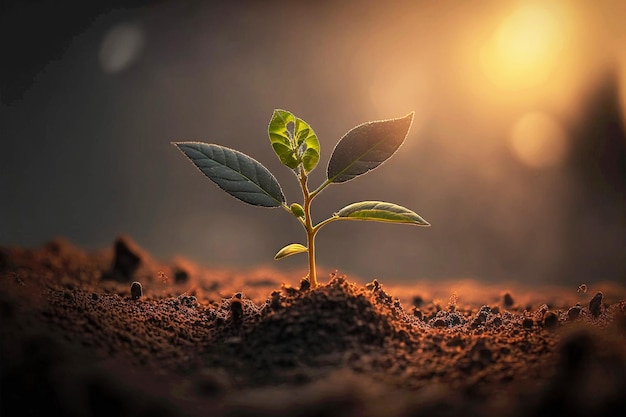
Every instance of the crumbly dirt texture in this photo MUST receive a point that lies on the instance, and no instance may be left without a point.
(117, 333)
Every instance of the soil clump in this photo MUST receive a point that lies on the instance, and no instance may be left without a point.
(109, 333)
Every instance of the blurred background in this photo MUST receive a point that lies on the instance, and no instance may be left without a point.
(516, 155)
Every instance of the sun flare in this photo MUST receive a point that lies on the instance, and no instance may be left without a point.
(526, 47)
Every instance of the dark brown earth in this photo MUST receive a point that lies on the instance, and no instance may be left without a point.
(190, 341)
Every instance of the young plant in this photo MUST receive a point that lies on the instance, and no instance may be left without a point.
(362, 149)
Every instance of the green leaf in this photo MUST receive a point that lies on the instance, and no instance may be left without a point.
(293, 141)
(367, 146)
(281, 139)
(297, 210)
(310, 152)
(234, 172)
(380, 211)
(289, 250)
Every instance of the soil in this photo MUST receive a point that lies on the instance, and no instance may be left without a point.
(118, 333)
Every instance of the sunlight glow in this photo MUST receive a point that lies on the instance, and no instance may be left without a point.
(396, 91)
(538, 140)
(526, 47)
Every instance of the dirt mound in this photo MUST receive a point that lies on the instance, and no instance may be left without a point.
(308, 330)
(196, 346)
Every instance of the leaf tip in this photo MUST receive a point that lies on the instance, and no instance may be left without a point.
(181, 144)
(280, 112)
(409, 118)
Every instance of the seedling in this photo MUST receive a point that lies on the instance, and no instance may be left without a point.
(362, 149)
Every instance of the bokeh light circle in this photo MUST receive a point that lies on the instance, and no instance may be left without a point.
(538, 140)
(120, 47)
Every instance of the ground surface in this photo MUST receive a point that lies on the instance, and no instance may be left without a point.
(74, 341)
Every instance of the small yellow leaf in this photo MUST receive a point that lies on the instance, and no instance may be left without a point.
(289, 250)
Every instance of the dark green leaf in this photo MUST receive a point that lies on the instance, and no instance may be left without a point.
(289, 250)
(236, 173)
(293, 141)
(380, 211)
(367, 146)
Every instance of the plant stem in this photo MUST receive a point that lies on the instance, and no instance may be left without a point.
(325, 222)
(311, 252)
(310, 230)
(320, 188)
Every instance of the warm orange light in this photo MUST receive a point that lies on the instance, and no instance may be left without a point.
(526, 47)
(538, 140)
(401, 91)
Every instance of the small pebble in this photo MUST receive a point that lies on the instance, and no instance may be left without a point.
(595, 305)
(418, 301)
(550, 319)
(135, 290)
(573, 313)
(508, 300)
(527, 323)
(305, 284)
(126, 259)
(181, 276)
